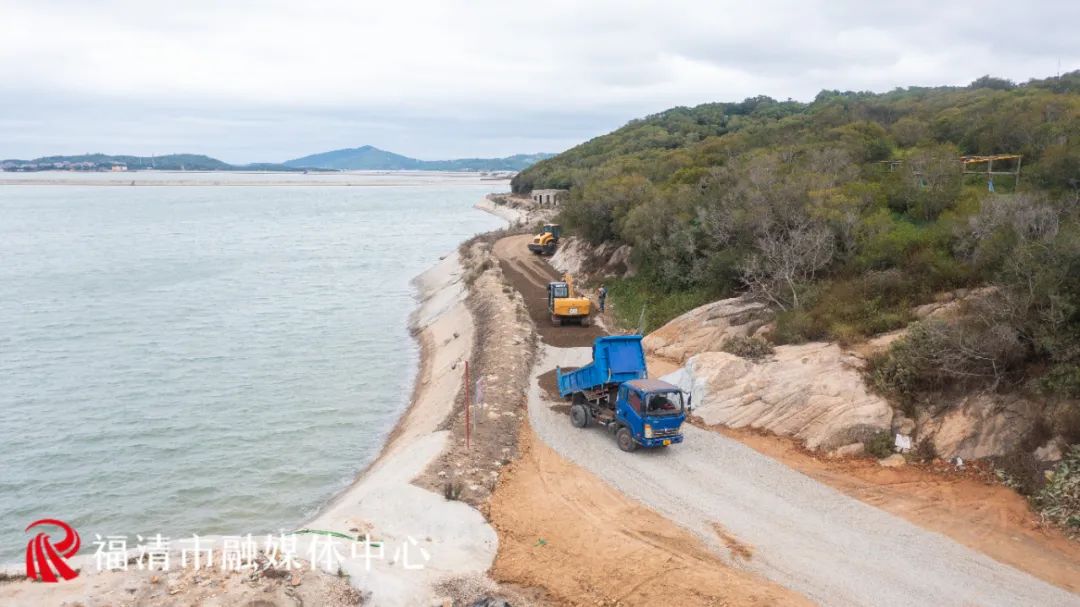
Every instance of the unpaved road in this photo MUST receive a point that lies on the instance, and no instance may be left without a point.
(530, 274)
(586, 543)
(802, 534)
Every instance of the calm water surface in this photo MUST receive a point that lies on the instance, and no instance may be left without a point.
(183, 359)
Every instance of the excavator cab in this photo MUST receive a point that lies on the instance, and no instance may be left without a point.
(564, 305)
(545, 242)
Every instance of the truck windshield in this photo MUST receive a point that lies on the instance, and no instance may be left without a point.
(666, 403)
(559, 291)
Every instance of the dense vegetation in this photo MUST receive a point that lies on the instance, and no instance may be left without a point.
(846, 212)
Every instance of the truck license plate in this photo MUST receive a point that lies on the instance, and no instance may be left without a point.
(573, 310)
(666, 442)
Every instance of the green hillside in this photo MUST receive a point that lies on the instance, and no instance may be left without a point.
(846, 212)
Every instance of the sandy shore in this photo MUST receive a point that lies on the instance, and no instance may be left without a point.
(511, 215)
(383, 501)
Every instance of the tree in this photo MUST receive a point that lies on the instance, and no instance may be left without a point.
(785, 261)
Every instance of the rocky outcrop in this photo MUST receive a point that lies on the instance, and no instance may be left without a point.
(950, 304)
(581, 259)
(980, 425)
(813, 392)
(705, 328)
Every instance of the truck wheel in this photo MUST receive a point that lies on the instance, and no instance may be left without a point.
(579, 416)
(585, 321)
(549, 249)
(556, 321)
(625, 440)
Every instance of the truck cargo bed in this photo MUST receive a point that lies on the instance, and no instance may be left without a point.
(616, 359)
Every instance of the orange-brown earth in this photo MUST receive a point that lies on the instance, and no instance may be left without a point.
(965, 506)
(566, 531)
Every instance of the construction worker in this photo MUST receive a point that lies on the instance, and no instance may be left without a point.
(602, 296)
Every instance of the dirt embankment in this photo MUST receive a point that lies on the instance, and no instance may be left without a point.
(501, 358)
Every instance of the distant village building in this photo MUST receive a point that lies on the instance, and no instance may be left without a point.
(549, 198)
(118, 167)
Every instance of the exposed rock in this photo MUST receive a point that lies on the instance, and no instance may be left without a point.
(812, 392)
(619, 263)
(903, 425)
(947, 305)
(877, 344)
(580, 258)
(1051, 451)
(705, 328)
(893, 461)
(848, 450)
(980, 425)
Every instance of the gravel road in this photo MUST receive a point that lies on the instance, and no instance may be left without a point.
(803, 535)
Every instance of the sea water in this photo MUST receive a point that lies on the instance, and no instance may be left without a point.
(220, 359)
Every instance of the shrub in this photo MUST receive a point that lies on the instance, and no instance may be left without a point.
(924, 452)
(880, 444)
(849, 310)
(1020, 471)
(935, 353)
(1066, 422)
(753, 348)
(1059, 500)
(798, 326)
(1063, 380)
(628, 297)
(893, 372)
(452, 490)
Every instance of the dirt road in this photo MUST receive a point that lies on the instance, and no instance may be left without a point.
(530, 274)
(794, 530)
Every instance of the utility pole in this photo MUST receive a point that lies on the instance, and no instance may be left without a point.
(468, 417)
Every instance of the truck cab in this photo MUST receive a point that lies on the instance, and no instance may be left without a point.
(614, 391)
(649, 413)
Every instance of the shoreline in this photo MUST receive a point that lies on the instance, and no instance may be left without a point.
(443, 327)
(383, 500)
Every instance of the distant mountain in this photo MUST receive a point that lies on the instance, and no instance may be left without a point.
(362, 158)
(169, 162)
(369, 158)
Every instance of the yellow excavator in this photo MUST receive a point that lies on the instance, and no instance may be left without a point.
(545, 242)
(565, 305)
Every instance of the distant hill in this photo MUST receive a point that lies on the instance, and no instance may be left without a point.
(366, 158)
(369, 158)
(169, 162)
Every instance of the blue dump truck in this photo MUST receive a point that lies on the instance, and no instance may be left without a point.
(614, 391)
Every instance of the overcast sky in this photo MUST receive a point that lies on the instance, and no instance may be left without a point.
(265, 80)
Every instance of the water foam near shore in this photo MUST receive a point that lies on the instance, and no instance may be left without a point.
(210, 360)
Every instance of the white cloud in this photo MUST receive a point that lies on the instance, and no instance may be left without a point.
(271, 80)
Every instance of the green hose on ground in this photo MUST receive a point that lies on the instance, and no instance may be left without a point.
(335, 534)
